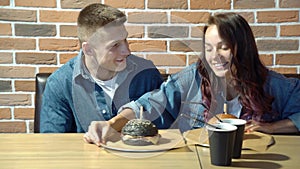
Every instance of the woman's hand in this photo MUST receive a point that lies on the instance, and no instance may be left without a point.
(259, 126)
(282, 126)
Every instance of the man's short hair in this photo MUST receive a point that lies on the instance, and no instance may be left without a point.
(95, 16)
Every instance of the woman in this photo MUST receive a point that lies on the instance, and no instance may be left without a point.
(230, 72)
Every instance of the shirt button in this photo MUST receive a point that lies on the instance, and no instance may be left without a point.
(104, 111)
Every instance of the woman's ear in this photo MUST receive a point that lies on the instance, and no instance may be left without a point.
(87, 49)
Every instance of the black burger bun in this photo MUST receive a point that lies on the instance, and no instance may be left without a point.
(139, 132)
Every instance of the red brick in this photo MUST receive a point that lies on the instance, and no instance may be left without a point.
(6, 58)
(264, 31)
(76, 3)
(5, 86)
(35, 30)
(139, 4)
(17, 72)
(58, 16)
(13, 127)
(189, 17)
(4, 2)
(289, 30)
(277, 45)
(68, 31)
(65, 57)
(168, 4)
(168, 31)
(285, 70)
(5, 29)
(197, 32)
(47, 69)
(17, 15)
(250, 4)
(5, 113)
(267, 59)
(15, 100)
(277, 16)
(36, 58)
(167, 59)
(59, 44)
(36, 3)
(25, 85)
(135, 31)
(288, 59)
(24, 113)
(215, 4)
(289, 3)
(248, 16)
(193, 59)
(186, 45)
(17, 44)
(147, 45)
(147, 17)
(174, 70)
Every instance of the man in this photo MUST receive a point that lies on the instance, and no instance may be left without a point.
(103, 77)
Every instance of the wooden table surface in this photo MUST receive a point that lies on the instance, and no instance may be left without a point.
(64, 151)
(70, 151)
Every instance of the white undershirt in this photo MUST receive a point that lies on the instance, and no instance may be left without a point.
(108, 86)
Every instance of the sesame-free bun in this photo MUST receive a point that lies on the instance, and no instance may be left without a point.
(214, 120)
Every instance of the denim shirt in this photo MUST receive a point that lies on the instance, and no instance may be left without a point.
(166, 106)
(72, 99)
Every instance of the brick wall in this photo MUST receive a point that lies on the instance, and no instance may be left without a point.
(40, 36)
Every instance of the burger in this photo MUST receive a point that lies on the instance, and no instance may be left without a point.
(140, 132)
(221, 116)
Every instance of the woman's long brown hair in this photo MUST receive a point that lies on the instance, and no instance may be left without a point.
(249, 74)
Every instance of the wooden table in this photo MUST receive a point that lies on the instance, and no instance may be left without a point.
(69, 151)
(64, 151)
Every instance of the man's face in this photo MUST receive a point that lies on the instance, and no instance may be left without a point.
(217, 53)
(110, 49)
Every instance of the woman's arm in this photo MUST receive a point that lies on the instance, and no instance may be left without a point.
(281, 126)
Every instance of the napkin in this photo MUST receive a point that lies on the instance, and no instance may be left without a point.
(252, 140)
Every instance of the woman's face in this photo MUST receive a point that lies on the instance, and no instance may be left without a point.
(217, 53)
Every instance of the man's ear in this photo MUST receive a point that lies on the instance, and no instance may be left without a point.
(87, 49)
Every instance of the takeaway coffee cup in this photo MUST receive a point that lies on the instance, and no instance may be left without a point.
(238, 143)
(221, 143)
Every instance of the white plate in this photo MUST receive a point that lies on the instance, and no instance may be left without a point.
(169, 139)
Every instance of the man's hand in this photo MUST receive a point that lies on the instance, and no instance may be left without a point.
(100, 132)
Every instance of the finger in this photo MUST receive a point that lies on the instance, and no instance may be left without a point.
(105, 133)
(95, 132)
(250, 126)
(86, 138)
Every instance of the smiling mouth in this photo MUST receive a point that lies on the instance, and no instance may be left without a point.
(220, 65)
(120, 60)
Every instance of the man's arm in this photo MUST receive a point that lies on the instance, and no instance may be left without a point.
(100, 131)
